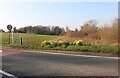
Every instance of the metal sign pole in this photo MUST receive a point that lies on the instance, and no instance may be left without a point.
(9, 37)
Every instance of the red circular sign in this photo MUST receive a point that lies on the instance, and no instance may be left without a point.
(9, 27)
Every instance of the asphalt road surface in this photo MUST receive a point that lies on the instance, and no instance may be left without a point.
(43, 64)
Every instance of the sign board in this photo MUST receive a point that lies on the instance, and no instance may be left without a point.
(9, 27)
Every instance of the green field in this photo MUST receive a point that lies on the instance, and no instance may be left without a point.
(27, 39)
(34, 41)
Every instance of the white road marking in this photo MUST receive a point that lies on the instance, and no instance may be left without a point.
(0, 51)
(7, 74)
(73, 54)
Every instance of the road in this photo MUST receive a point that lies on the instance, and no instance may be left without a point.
(43, 64)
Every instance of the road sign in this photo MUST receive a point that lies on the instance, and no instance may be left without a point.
(9, 27)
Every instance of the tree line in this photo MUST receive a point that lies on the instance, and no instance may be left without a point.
(90, 30)
(39, 29)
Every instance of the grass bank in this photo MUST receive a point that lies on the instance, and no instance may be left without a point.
(33, 41)
(77, 48)
(28, 39)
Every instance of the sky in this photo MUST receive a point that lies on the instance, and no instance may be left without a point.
(64, 14)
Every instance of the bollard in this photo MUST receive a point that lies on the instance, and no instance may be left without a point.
(21, 41)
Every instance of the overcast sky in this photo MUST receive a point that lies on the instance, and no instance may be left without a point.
(71, 14)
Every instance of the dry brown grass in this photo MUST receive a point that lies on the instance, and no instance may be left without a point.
(105, 35)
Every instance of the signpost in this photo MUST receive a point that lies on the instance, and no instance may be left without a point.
(9, 27)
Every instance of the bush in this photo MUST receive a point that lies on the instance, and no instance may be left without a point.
(69, 46)
(53, 45)
(66, 43)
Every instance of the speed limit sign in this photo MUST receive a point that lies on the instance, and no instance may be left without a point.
(9, 27)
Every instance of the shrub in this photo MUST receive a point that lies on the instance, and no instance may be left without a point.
(79, 45)
(66, 43)
(54, 44)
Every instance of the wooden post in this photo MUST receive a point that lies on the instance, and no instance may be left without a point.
(20, 39)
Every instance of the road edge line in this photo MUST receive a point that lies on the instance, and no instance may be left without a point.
(72, 54)
(7, 74)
